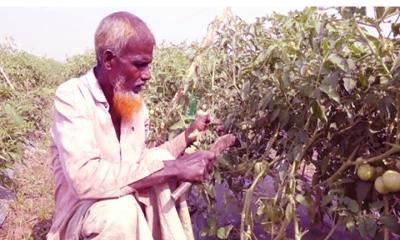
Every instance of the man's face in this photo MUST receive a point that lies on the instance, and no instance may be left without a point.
(131, 71)
(133, 64)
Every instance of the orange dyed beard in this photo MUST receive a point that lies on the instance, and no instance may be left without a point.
(126, 103)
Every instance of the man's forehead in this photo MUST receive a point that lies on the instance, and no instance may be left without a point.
(139, 48)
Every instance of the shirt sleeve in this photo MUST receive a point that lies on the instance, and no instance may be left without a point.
(175, 146)
(90, 175)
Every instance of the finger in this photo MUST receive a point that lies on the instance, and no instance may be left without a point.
(201, 113)
(210, 168)
(194, 135)
(205, 118)
(211, 157)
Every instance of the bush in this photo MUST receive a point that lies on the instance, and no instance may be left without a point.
(311, 91)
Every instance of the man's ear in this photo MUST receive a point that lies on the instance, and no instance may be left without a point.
(108, 58)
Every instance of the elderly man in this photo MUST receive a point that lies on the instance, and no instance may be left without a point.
(108, 184)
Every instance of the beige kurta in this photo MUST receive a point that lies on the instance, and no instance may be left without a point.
(91, 166)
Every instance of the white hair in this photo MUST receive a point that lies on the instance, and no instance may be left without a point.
(115, 30)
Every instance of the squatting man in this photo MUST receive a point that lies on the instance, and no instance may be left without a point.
(108, 184)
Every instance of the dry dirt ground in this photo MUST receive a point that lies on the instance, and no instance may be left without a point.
(30, 212)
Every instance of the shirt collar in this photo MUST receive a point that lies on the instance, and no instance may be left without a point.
(94, 87)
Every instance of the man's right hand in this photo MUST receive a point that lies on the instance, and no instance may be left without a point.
(195, 167)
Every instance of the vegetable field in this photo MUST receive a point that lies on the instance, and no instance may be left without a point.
(312, 97)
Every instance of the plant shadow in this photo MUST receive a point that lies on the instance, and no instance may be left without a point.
(40, 229)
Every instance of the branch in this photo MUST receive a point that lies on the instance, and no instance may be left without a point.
(349, 163)
(7, 79)
(345, 165)
(373, 51)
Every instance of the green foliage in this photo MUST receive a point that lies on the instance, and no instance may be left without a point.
(313, 90)
(78, 65)
(25, 106)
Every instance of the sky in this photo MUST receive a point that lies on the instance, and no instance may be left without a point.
(62, 28)
(61, 31)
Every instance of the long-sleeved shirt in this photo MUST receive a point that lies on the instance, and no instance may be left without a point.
(88, 160)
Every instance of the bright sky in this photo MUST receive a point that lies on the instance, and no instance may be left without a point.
(63, 28)
(61, 31)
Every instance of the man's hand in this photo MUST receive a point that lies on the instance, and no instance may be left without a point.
(199, 125)
(195, 167)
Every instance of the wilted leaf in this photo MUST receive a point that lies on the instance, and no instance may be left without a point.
(379, 12)
(302, 200)
(349, 84)
(324, 163)
(289, 211)
(245, 91)
(350, 224)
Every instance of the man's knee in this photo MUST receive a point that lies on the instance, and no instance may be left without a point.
(121, 215)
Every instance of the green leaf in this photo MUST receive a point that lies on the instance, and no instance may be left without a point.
(391, 223)
(339, 62)
(13, 115)
(212, 224)
(351, 204)
(178, 125)
(192, 106)
(378, 205)
(223, 232)
(329, 85)
(367, 227)
(318, 111)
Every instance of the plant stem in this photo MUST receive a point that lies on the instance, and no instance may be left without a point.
(246, 207)
(386, 210)
(328, 236)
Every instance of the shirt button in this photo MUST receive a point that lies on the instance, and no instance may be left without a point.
(133, 128)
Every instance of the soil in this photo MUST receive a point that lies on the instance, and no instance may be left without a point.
(31, 208)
